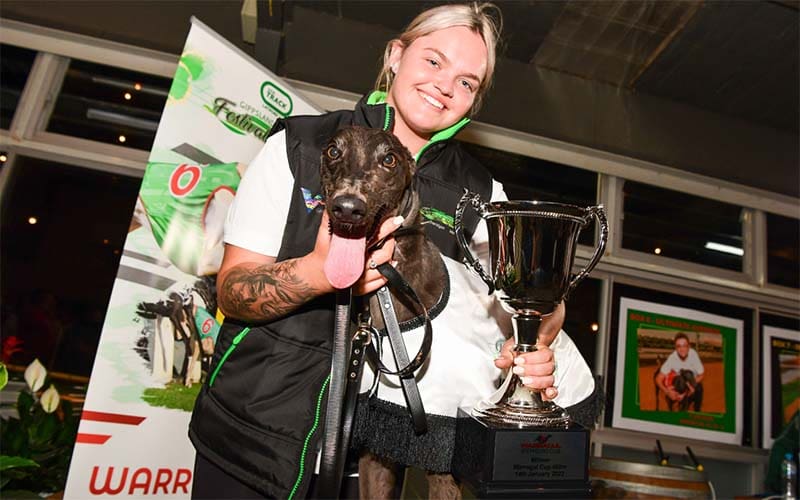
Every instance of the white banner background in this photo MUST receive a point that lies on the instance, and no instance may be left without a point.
(127, 446)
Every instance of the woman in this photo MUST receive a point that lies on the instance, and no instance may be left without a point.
(257, 418)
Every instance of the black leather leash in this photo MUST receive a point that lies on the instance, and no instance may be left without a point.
(331, 459)
(407, 380)
(345, 379)
(405, 366)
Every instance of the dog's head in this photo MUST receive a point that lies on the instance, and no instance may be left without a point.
(366, 175)
(682, 381)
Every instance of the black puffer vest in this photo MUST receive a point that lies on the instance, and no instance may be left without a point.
(259, 415)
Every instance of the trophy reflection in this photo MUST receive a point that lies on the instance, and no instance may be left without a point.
(531, 249)
(515, 444)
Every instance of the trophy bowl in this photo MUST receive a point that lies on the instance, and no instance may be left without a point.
(531, 252)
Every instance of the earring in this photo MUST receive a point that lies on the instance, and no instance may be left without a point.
(394, 68)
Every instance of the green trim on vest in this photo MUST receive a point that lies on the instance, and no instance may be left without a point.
(308, 438)
(379, 97)
(235, 343)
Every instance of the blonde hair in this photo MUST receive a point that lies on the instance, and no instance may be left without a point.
(475, 16)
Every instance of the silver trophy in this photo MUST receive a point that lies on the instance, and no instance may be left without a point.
(532, 248)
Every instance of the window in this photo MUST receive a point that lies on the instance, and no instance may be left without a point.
(15, 65)
(109, 105)
(582, 320)
(681, 226)
(64, 228)
(526, 178)
(783, 246)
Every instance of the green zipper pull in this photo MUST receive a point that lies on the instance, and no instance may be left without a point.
(228, 352)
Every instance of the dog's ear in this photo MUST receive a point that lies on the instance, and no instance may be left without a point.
(412, 164)
(409, 204)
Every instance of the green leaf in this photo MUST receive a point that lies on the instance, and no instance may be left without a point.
(23, 494)
(13, 437)
(43, 430)
(3, 375)
(24, 404)
(7, 462)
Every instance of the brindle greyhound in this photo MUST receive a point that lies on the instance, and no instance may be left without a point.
(367, 177)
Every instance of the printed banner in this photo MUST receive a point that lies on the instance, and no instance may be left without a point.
(161, 322)
(678, 371)
(781, 365)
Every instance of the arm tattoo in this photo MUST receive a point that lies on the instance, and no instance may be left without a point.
(265, 292)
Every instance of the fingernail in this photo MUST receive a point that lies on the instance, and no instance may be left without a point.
(398, 220)
(518, 370)
(519, 360)
(394, 263)
(526, 380)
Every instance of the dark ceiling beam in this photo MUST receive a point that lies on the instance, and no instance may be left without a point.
(688, 14)
(792, 4)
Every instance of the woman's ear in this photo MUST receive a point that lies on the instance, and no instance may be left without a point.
(395, 54)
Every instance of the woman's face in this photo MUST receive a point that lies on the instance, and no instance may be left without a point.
(436, 80)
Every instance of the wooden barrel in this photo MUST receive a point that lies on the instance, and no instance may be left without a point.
(613, 478)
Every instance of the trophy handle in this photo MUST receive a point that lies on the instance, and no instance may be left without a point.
(469, 259)
(600, 214)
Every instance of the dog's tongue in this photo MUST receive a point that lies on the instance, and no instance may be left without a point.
(345, 261)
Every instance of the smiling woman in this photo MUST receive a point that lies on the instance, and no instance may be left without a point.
(276, 279)
(436, 81)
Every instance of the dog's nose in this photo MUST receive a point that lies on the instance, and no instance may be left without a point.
(349, 209)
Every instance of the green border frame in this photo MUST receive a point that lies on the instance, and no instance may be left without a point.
(635, 319)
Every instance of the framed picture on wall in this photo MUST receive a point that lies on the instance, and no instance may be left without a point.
(780, 351)
(678, 371)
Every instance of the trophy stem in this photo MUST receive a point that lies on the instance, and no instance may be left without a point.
(514, 403)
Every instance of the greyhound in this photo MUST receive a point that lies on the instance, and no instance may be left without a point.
(683, 383)
(367, 177)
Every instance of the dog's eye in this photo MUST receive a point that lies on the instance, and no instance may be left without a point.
(333, 152)
(389, 161)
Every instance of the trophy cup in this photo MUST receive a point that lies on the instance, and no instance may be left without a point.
(515, 444)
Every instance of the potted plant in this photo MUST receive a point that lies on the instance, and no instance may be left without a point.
(36, 447)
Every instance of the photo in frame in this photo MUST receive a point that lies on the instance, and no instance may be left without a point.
(780, 351)
(678, 370)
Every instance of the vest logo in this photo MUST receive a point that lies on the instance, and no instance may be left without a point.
(311, 201)
(437, 217)
(276, 98)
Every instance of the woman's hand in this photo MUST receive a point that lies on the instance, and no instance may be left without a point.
(536, 368)
(372, 279)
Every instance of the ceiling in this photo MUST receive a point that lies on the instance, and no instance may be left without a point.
(734, 57)
(710, 87)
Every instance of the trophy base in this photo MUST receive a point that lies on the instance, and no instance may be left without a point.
(502, 460)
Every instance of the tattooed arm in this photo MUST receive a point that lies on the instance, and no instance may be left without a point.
(253, 287)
